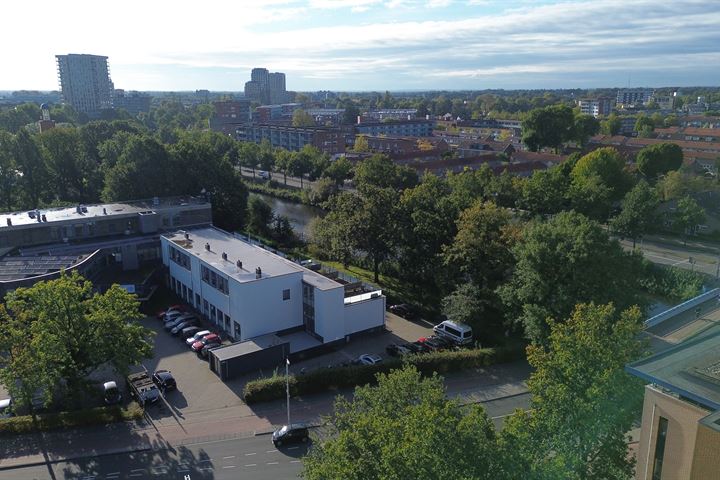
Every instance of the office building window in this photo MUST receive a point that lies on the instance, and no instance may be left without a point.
(205, 307)
(286, 294)
(197, 301)
(660, 448)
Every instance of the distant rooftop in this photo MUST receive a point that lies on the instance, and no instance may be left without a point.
(690, 369)
(83, 212)
(18, 268)
(251, 256)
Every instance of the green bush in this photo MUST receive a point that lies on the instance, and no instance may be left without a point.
(672, 283)
(78, 418)
(275, 189)
(325, 379)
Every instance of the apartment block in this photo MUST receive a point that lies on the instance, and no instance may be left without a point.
(85, 82)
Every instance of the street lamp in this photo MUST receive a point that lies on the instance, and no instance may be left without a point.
(287, 388)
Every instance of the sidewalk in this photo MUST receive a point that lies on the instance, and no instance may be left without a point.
(480, 385)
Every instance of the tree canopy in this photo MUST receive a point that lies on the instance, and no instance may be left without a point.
(659, 159)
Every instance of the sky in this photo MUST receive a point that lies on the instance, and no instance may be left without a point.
(359, 45)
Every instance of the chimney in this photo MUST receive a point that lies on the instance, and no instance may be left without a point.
(224, 256)
(239, 264)
(104, 211)
(187, 236)
(9, 222)
(207, 246)
(258, 272)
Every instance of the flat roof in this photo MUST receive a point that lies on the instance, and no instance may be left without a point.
(251, 256)
(248, 346)
(18, 268)
(60, 214)
(690, 369)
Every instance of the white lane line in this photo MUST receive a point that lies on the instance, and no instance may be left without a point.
(272, 463)
(248, 454)
(229, 466)
(293, 448)
(113, 474)
(228, 457)
(251, 465)
(294, 461)
(270, 451)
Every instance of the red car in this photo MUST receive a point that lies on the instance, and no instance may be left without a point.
(173, 308)
(206, 340)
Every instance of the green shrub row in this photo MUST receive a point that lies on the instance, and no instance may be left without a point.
(325, 379)
(672, 283)
(275, 189)
(77, 418)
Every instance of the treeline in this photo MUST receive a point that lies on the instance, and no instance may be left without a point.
(507, 253)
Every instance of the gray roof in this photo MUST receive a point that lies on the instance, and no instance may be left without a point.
(248, 346)
(61, 214)
(251, 256)
(17, 268)
(690, 369)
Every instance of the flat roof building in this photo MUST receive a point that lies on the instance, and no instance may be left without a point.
(85, 82)
(249, 291)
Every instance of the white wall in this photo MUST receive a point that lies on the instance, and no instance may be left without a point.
(329, 314)
(364, 315)
(259, 308)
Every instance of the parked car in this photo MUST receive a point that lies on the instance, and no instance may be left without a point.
(404, 310)
(206, 340)
(458, 332)
(369, 359)
(417, 347)
(173, 308)
(142, 388)
(395, 350)
(6, 408)
(111, 393)
(164, 380)
(178, 320)
(431, 344)
(188, 332)
(183, 325)
(293, 433)
(197, 337)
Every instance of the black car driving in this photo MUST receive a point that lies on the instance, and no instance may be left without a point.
(294, 433)
(164, 380)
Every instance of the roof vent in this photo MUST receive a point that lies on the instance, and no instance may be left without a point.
(9, 222)
(258, 272)
(104, 211)
(239, 264)
(207, 247)
(187, 236)
(44, 218)
(224, 256)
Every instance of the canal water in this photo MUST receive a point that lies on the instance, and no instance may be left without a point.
(299, 214)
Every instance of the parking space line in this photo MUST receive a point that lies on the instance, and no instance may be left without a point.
(272, 463)
(229, 466)
(228, 457)
(270, 451)
(294, 461)
(248, 454)
(251, 465)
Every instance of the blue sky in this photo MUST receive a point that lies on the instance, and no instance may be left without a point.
(369, 44)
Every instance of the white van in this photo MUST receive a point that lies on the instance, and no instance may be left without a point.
(457, 332)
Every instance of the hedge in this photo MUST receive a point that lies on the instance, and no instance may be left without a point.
(77, 418)
(325, 379)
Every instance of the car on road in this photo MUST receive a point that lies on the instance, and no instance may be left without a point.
(111, 393)
(190, 341)
(404, 310)
(6, 408)
(369, 359)
(293, 433)
(395, 350)
(264, 175)
(213, 338)
(164, 380)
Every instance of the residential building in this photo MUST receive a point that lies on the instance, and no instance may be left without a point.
(45, 123)
(249, 291)
(134, 102)
(633, 96)
(85, 83)
(596, 106)
(326, 139)
(276, 87)
(254, 91)
(271, 113)
(327, 116)
(389, 114)
(266, 87)
(400, 128)
(229, 115)
(680, 428)
(664, 102)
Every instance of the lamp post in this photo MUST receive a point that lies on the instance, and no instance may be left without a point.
(287, 388)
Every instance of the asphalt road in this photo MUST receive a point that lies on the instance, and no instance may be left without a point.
(278, 177)
(248, 458)
(677, 256)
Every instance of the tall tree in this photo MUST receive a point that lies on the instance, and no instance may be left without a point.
(33, 180)
(585, 127)
(283, 162)
(659, 159)
(65, 331)
(598, 179)
(259, 217)
(336, 234)
(73, 177)
(548, 127)
(567, 260)
(546, 191)
(9, 175)
(611, 125)
(301, 118)
(339, 170)
(639, 212)
(583, 403)
(406, 428)
(376, 224)
(380, 171)
(688, 215)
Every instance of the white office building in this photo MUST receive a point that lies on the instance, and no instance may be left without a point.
(249, 291)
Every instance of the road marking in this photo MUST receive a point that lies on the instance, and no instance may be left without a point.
(248, 454)
(272, 463)
(294, 461)
(183, 467)
(160, 470)
(293, 448)
(251, 465)
(270, 451)
(228, 457)
(229, 466)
